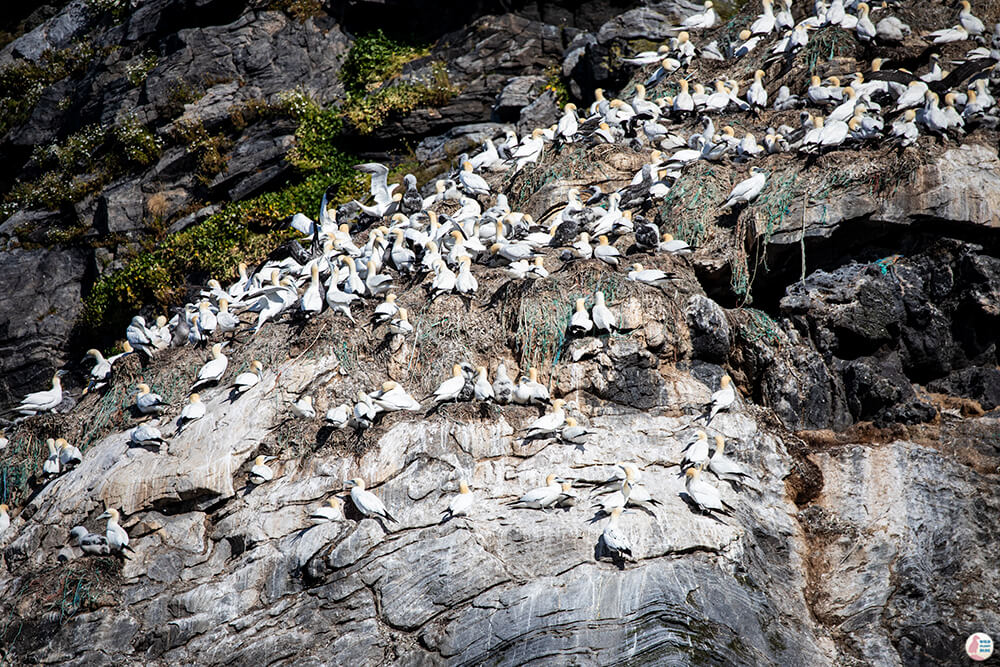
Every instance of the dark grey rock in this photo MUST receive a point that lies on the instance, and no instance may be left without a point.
(709, 330)
(640, 22)
(543, 112)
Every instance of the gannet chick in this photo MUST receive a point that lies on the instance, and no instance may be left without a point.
(721, 399)
(573, 433)
(614, 538)
(747, 190)
(604, 319)
(503, 386)
(366, 501)
(147, 402)
(696, 452)
(385, 311)
(482, 389)
(91, 544)
(331, 510)
(728, 470)
(247, 380)
(339, 416)
(542, 497)
(303, 408)
(69, 455)
(460, 504)
(193, 411)
(704, 495)
(451, 388)
(580, 323)
(42, 401)
(548, 423)
(261, 472)
(52, 467)
(117, 537)
(146, 435)
(400, 325)
(653, 277)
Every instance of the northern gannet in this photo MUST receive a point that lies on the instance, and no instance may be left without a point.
(227, 321)
(721, 399)
(653, 277)
(614, 538)
(606, 252)
(529, 150)
(69, 455)
(386, 310)
(393, 398)
(42, 401)
(573, 433)
(604, 319)
(139, 336)
(865, 29)
(311, 302)
(482, 389)
(530, 390)
(756, 93)
(367, 502)
(580, 323)
(117, 537)
(338, 416)
(548, 423)
(3, 441)
(707, 18)
(364, 412)
(213, 369)
(765, 22)
(146, 435)
(303, 408)
(91, 544)
(955, 33)
(542, 497)
(247, 380)
(566, 497)
(703, 494)
(747, 190)
(471, 182)
(400, 325)
(503, 386)
(444, 279)
(331, 510)
(696, 452)
(672, 246)
(460, 504)
(261, 472)
(100, 374)
(726, 469)
(52, 467)
(450, 389)
(193, 411)
(465, 282)
(4, 519)
(147, 402)
(972, 24)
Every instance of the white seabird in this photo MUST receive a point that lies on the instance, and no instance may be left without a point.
(69, 455)
(604, 319)
(614, 538)
(542, 497)
(747, 190)
(653, 277)
(367, 502)
(52, 467)
(338, 416)
(450, 389)
(42, 401)
(147, 402)
(503, 386)
(460, 504)
(482, 389)
(303, 408)
(100, 374)
(573, 433)
(146, 435)
(548, 423)
(331, 510)
(580, 323)
(471, 182)
(672, 246)
(193, 411)
(696, 452)
(393, 398)
(721, 399)
(400, 325)
(117, 537)
(726, 469)
(247, 380)
(213, 369)
(261, 472)
(704, 495)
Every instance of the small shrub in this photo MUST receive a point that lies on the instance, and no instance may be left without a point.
(137, 71)
(375, 58)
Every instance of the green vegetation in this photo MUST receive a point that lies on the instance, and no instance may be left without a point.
(137, 71)
(300, 10)
(117, 9)
(84, 163)
(375, 58)
(208, 149)
(22, 81)
(242, 230)
(367, 113)
(554, 82)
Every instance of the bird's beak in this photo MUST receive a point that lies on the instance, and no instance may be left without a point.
(104, 516)
(348, 484)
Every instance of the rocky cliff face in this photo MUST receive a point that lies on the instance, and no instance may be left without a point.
(867, 373)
